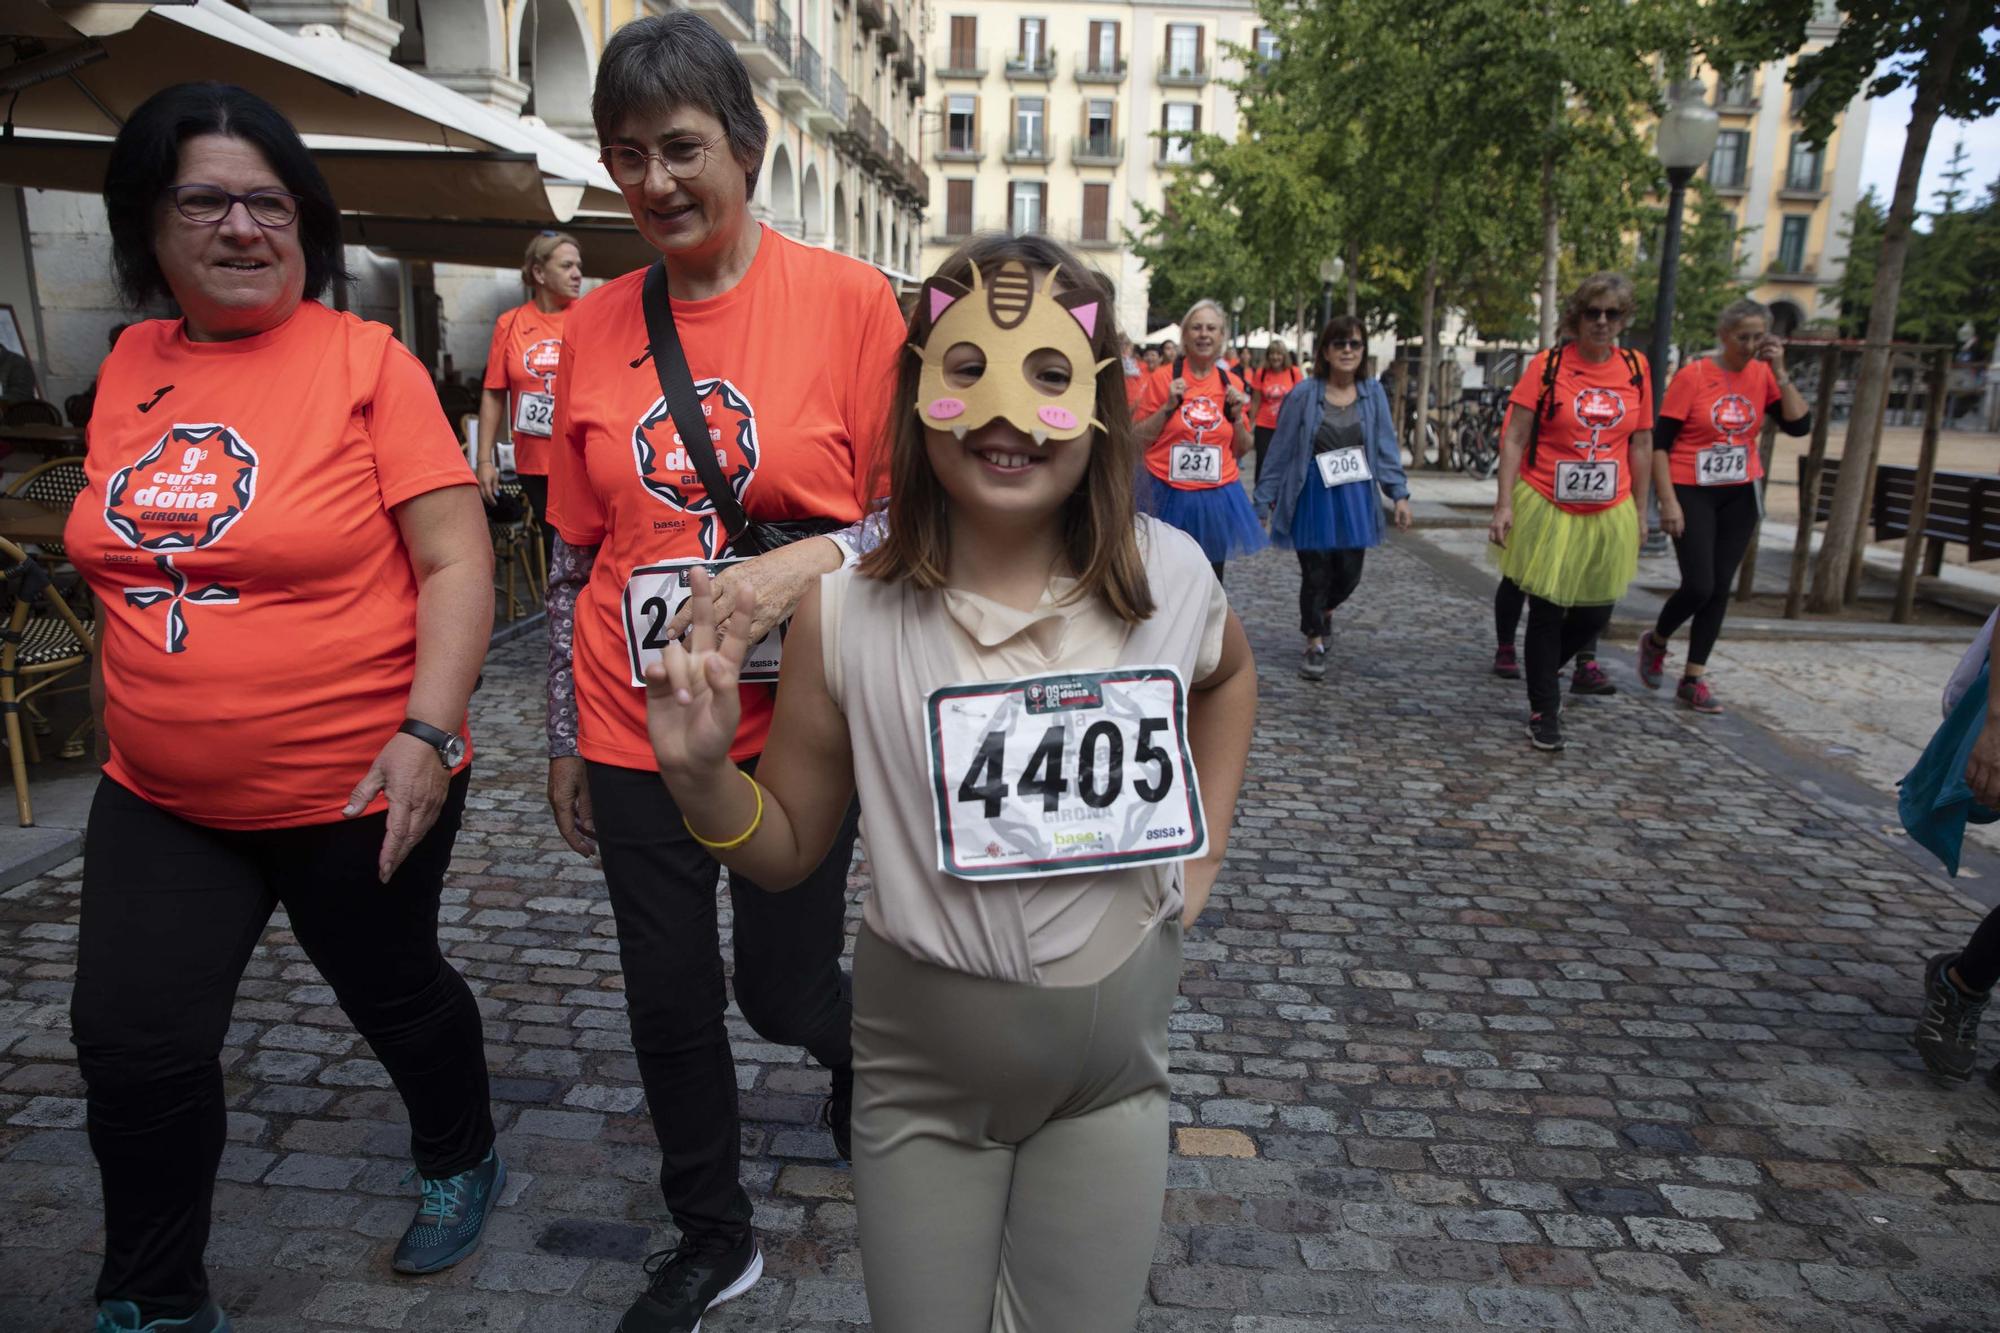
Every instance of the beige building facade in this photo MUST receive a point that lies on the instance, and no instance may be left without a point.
(1045, 115)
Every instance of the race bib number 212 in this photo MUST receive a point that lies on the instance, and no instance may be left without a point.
(1063, 775)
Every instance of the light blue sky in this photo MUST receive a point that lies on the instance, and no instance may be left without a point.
(1889, 123)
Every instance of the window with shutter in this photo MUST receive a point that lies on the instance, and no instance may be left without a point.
(964, 42)
(958, 208)
(1096, 212)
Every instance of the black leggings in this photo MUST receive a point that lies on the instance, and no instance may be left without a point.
(537, 491)
(1979, 965)
(1555, 635)
(1720, 522)
(1260, 441)
(1508, 601)
(788, 982)
(171, 912)
(1326, 579)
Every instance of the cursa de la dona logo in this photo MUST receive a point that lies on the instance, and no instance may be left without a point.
(181, 496)
(1200, 415)
(666, 469)
(542, 359)
(1732, 415)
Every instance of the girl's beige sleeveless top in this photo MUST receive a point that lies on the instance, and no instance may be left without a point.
(888, 646)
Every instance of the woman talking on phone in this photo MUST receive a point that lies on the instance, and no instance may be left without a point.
(1706, 466)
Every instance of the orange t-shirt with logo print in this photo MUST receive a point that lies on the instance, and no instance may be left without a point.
(1272, 386)
(1199, 422)
(524, 358)
(257, 605)
(795, 367)
(1597, 409)
(1717, 406)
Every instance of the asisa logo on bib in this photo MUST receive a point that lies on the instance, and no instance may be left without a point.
(181, 495)
(1200, 415)
(667, 470)
(541, 358)
(1732, 415)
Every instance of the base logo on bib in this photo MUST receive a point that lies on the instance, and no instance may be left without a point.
(180, 496)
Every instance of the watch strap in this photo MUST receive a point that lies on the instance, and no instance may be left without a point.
(435, 737)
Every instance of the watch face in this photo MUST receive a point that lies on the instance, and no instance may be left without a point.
(453, 751)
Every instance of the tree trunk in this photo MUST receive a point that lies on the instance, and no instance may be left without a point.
(1353, 277)
(1424, 367)
(1305, 335)
(1871, 381)
(1551, 248)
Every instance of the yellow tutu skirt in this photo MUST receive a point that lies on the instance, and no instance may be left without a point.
(1569, 559)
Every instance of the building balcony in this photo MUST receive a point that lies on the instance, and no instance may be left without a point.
(1028, 151)
(962, 148)
(857, 134)
(918, 83)
(1802, 189)
(1092, 70)
(1093, 234)
(869, 13)
(879, 143)
(1096, 150)
(961, 63)
(768, 56)
(890, 34)
(920, 183)
(1031, 66)
(906, 58)
(1183, 73)
(1785, 269)
(736, 20)
(804, 88)
(952, 228)
(829, 115)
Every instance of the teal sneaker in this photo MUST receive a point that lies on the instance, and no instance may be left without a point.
(123, 1317)
(453, 1213)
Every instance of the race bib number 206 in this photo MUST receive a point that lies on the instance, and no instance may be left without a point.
(1063, 775)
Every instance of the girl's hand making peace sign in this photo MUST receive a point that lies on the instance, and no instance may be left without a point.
(692, 708)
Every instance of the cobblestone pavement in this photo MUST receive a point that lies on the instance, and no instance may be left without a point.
(1470, 1037)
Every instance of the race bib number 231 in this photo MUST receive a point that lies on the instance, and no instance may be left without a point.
(1064, 774)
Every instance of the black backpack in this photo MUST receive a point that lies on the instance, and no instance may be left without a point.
(1545, 404)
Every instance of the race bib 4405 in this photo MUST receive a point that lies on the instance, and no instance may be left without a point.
(1063, 774)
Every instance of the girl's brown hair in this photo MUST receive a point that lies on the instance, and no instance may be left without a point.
(1100, 534)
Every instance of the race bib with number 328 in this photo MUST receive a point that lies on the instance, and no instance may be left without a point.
(1587, 483)
(1341, 467)
(1063, 774)
(654, 593)
(1722, 465)
(534, 414)
(1195, 462)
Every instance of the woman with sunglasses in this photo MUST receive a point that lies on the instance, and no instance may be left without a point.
(1334, 443)
(1706, 465)
(519, 391)
(790, 352)
(1576, 463)
(288, 553)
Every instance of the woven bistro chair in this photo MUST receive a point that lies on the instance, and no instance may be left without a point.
(45, 642)
(519, 554)
(31, 412)
(53, 485)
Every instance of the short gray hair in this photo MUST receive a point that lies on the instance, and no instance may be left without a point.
(657, 64)
(1208, 303)
(1739, 310)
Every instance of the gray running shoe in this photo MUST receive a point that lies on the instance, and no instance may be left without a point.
(1947, 1035)
(1314, 665)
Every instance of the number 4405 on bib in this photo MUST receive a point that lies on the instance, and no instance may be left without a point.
(1064, 774)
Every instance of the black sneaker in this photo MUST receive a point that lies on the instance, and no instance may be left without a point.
(1313, 667)
(1545, 730)
(837, 1112)
(123, 1317)
(1947, 1035)
(690, 1280)
(1590, 678)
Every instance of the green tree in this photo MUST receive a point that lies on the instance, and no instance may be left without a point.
(1950, 56)
(1857, 278)
(1706, 279)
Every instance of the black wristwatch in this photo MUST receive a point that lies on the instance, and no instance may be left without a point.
(449, 745)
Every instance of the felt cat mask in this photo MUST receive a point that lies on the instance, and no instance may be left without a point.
(1010, 319)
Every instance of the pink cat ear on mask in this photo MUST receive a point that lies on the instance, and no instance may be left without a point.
(941, 301)
(1086, 315)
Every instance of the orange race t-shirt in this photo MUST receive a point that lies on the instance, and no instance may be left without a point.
(1273, 385)
(259, 608)
(1582, 451)
(795, 367)
(524, 357)
(1720, 411)
(1196, 447)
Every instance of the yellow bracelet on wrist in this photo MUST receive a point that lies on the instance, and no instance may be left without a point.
(756, 823)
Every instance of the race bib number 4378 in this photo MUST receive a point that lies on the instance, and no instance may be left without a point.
(1064, 774)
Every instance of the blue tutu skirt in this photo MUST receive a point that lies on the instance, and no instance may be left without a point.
(1219, 518)
(1336, 518)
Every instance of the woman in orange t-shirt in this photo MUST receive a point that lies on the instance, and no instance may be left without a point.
(1575, 469)
(295, 585)
(1194, 421)
(1706, 465)
(1269, 383)
(520, 385)
(790, 353)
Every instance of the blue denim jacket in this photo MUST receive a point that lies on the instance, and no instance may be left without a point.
(1288, 459)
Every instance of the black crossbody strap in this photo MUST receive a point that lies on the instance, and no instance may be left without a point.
(677, 386)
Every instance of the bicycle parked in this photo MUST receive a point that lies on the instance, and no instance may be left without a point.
(1475, 432)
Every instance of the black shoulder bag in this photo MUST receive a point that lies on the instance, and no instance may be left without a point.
(746, 537)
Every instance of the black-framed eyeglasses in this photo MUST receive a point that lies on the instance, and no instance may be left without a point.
(683, 158)
(1345, 344)
(208, 205)
(1607, 314)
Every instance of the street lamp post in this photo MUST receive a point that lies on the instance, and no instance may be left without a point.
(1685, 138)
(1236, 320)
(1330, 270)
